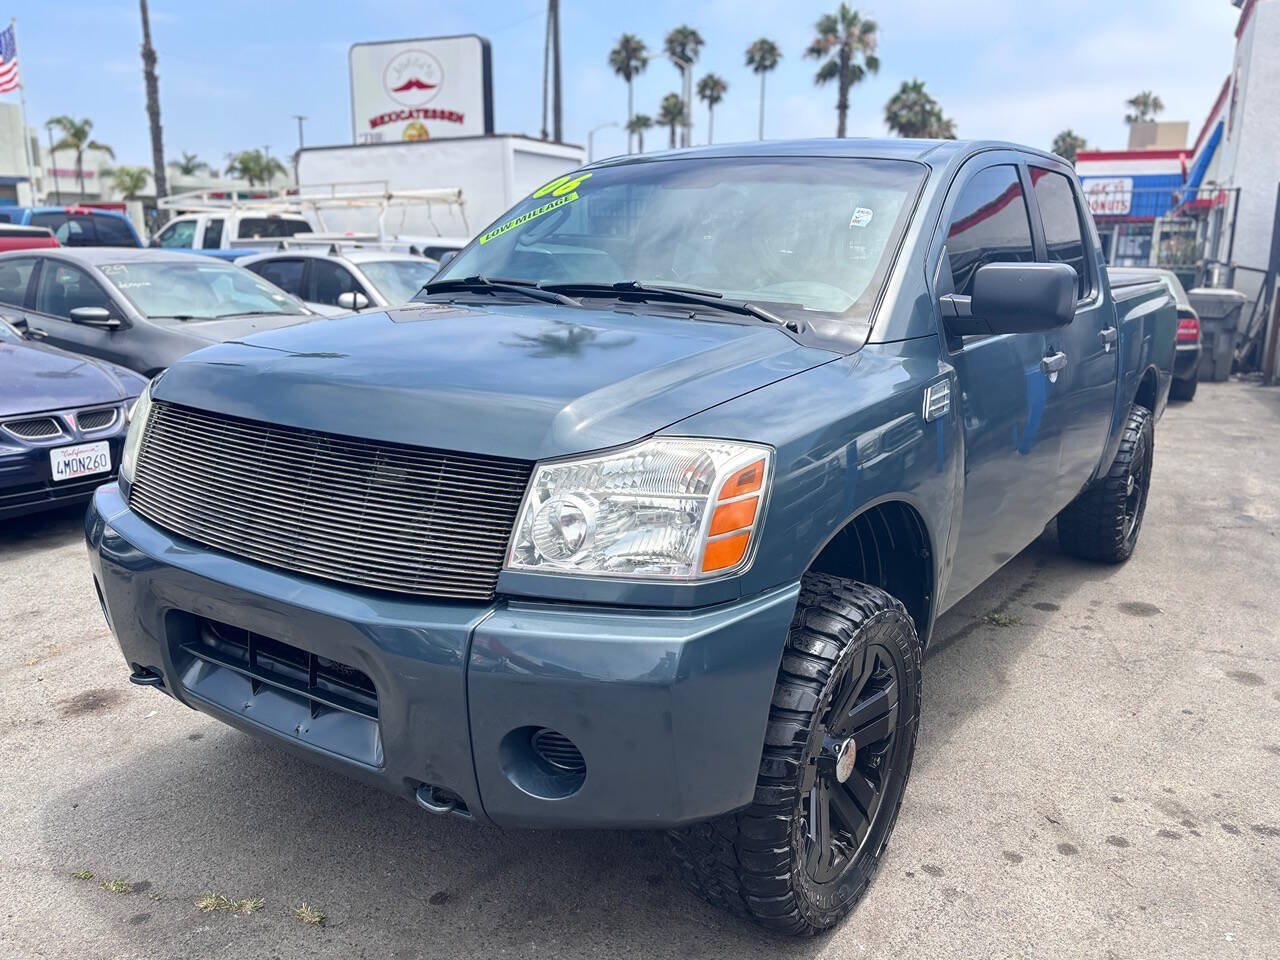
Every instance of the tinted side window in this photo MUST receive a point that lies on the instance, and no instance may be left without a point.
(179, 234)
(328, 280)
(14, 277)
(212, 234)
(70, 231)
(988, 225)
(285, 274)
(256, 228)
(114, 232)
(1062, 229)
(63, 287)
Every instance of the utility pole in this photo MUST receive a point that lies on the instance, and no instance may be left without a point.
(153, 114)
(300, 118)
(557, 114)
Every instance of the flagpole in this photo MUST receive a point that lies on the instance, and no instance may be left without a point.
(22, 107)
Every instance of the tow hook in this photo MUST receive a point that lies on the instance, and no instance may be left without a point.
(441, 802)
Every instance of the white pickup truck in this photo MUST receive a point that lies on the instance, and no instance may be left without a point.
(229, 233)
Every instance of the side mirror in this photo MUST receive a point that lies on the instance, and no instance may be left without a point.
(95, 317)
(446, 257)
(153, 242)
(352, 300)
(1013, 298)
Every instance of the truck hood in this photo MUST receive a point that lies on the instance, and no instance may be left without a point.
(504, 380)
(38, 377)
(233, 328)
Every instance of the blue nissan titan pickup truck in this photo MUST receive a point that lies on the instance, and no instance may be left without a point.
(642, 514)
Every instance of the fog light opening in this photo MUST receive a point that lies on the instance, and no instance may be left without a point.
(542, 762)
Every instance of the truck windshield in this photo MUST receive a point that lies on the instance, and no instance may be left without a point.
(197, 291)
(799, 235)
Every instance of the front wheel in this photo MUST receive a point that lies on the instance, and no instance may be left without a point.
(837, 753)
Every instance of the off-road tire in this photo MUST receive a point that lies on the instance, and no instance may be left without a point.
(1184, 390)
(1100, 524)
(754, 862)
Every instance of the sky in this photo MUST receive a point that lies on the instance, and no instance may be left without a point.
(233, 73)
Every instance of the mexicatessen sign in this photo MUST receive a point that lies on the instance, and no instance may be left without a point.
(425, 89)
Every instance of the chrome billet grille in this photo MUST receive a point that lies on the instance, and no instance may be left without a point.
(359, 512)
(35, 428)
(90, 421)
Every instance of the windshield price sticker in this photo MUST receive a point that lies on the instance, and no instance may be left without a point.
(861, 217)
(564, 190)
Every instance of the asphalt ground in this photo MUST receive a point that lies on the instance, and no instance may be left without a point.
(1098, 775)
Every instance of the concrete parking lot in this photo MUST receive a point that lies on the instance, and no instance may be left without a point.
(1098, 775)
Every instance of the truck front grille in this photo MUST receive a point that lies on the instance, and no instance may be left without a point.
(359, 512)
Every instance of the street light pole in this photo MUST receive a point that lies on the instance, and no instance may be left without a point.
(591, 136)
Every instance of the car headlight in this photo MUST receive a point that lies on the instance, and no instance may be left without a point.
(138, 415)
(667, 508)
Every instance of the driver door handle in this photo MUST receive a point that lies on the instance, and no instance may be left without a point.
(1108, 336)
(35, 333)
(1053, 363)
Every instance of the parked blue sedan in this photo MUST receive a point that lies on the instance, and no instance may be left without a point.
(62, 423)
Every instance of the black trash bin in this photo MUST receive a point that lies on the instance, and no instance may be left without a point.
(1219, 311)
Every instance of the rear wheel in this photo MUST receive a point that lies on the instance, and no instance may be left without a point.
(1184, 389)
(837, 754)
(1103, 523)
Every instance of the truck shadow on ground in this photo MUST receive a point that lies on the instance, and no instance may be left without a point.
(217, 810)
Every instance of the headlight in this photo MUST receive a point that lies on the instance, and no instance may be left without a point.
(138, 416)
(667, 508)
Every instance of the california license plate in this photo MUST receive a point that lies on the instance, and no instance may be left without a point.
(82, 460)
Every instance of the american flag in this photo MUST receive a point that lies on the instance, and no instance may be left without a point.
(8, 61)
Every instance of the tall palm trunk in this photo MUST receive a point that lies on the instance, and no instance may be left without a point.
(842, 105)
(761, 104)
(153, 111)
(80, 171)
(673, 134)
(711, 125)
(640, 134)
(631, 112)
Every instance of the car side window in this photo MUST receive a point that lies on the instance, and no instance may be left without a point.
(15, 275)
(285, 274)
(329, 280)
(114, 232)
(989, 224)
(212, 239)
(1063, 231)
(264, 228)
(181, 234)
(63, 287)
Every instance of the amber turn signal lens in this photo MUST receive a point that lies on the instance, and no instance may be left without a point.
(746, 480)
(733, 516)
(722, 554)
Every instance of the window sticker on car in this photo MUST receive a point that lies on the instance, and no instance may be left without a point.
(563, 189)
(114, 269)
(861, 217)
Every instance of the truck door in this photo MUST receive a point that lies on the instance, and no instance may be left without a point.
(1083, 397)
(1010, 450)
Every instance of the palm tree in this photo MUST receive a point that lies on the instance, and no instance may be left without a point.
(911, 112)
(849, 43)
(682, 46)
(638, 125)
(671, 113)
(711, 90)
(189, 165)
(254, 166)
(628, 60)
(75, 137)
(763, 56)
(130, 181)
(153, 109)
(1067, 144)
(1145, 107)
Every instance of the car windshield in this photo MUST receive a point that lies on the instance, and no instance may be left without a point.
(399, 280)
(799, 235)
(197, 291)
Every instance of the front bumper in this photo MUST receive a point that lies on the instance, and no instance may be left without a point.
(668, 708)
(26, 480)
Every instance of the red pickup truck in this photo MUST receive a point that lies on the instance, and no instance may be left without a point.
(25, 238)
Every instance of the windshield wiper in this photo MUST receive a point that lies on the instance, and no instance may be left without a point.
(502, 285)
(673, 294)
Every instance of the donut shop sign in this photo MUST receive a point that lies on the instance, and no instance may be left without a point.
(426, 89)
